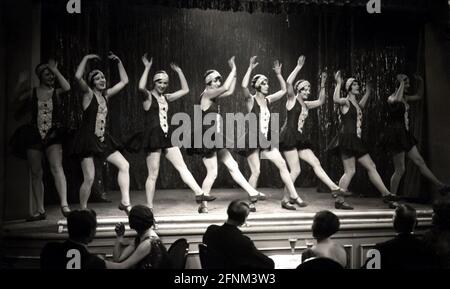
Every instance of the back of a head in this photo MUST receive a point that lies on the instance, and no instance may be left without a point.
(238, 211)
(405, 219)
(82, 225)
(441, 214)
(141, 218)
(325, 224)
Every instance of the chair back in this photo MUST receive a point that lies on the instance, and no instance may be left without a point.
(209, 258)
(320, 263)
(178, 253)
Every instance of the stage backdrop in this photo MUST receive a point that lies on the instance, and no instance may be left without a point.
(370, 47)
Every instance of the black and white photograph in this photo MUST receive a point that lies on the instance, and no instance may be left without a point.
(247, 136)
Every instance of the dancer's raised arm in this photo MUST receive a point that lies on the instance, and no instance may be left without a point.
(365, 98)
(81, 69)
(232, 88)
(290, 80)
(217, 92)
(246, 78)
(184, 85)
(279, 94)
(321, 100)
(398, 95)
(123, 77)
(143, 82)
(53, 67)
(337, 91)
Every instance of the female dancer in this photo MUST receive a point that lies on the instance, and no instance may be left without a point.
(398, 138)
(294, 143)
(44, 135)
(209, 105)
(349, 138)
(93, 139)
(157, 137)
(259, 105)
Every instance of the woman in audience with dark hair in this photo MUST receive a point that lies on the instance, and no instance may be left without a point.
(325, 225)
(438, 237)
(147, 251)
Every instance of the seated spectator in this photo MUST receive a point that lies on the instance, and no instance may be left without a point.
(228, 243)
(74, 253)
(325, 224)
(406, 251)
(147, 251)
(438, 237)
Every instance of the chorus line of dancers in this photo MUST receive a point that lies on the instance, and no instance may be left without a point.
(44, 134)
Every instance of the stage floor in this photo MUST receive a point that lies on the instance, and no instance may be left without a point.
(181, 203)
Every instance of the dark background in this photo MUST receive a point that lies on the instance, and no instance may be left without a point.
(371, 47)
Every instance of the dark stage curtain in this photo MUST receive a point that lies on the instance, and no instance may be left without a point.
(371, 47)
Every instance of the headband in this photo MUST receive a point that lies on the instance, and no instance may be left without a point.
(40, 69)
(161, 76)
(257, 79)
(301, 84)
(92, 74)
(213, 75)
(349, 83)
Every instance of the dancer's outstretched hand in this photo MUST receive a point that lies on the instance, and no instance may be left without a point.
(146, 61)
(277, 67)
(253, 63)
(231, 62)
(301, 61)
(338, 77)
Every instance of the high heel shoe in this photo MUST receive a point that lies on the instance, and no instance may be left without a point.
(253, 201)
(203, 197)
(261, 196)
(38, 217)
(65, 211)
(202, 209)
(124, 208)
(342, 205)
(288, 206)
(393, 205)
(390, 198)
(296, 201)
(340, 193)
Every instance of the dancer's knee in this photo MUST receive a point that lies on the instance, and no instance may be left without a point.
(37, 173)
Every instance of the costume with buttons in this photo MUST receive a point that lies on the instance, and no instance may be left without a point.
(157, 133)
(44, 129)
(292, 135)
(264, 128)
(93, 138)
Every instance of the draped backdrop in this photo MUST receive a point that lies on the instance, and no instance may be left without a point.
(338, 35)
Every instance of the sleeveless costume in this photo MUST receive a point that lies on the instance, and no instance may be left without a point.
(205, 152)
(398, 137)
(92, 138)
(264, 129)
(292, 134)
(158, 257)
(349, 141)
(44, 129)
